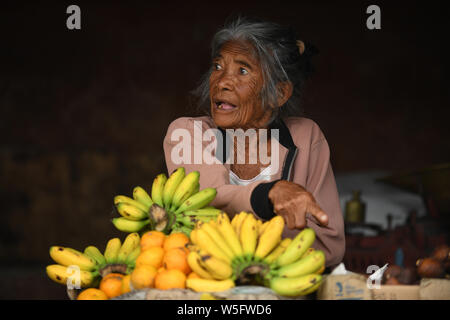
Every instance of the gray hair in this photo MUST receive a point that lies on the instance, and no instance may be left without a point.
(280, 60)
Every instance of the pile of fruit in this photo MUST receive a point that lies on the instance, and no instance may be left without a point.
(174, 204)
(92, 268)
(177, 241)
(246, 251)
(437, 265)
(162, 263)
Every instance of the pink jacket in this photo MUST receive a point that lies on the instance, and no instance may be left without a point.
(304, 158)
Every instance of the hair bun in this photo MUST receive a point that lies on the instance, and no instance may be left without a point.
(307, 50)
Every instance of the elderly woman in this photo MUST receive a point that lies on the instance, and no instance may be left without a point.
(255, 82)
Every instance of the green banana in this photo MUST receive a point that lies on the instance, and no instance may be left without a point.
(131, 212)
(171, 186)
(68, 256)
(125, 225)
(112, 250)
(296, 286)
(298, 246)
(207, 211)
(158, 188)
(198, 200)
(94, 253)
(310, 264)
(129, 244)
(140, 195)
(185, 189)
(127, 200)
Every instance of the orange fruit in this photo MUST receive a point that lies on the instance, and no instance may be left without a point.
(170, 279)
(193, 275)
(126, 281)
(152, 239)
(92, 294)
(175, 240)
(161, 269)
(111, 285)
(152, 256)
(176, 258)
(113, 274)
(143, 276)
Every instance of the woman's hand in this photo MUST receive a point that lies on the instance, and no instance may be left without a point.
(293, 202)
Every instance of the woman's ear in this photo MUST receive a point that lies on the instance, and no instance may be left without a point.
(284, 92)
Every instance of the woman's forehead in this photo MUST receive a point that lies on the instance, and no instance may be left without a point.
(241, 48)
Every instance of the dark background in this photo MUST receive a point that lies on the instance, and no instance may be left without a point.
(84, 112)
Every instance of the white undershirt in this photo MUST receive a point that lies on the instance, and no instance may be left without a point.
(263, 175)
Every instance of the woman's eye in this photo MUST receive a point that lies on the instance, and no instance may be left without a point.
(216, 66)
(243, 71)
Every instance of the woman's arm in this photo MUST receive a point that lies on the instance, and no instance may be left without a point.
(322, 186)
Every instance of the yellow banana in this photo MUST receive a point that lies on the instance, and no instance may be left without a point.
(124, 199)
(131, 259)
(249, 236)
(129, 244)
(142, 196)
(307, 252)
(205, 242)
(311, 289)
(270, 238)
(321, 270)
(239, 220)
(233, 221)
(198, 200)
(296, 286)
(125, 225)
(112, 250)
(131, 212)
(94, 253)
(186, 188)
(158, 189)
(263, 227)
(228, 233)
(310, 264)
(219, 269)
(302, 241)
(193, 260)
(171, 186)
(278, 250)
(218, 239)
(259, 224)
(205, 285)
(193, 236)
(69, 256)
(63, 274)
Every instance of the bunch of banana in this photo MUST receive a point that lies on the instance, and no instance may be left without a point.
(247, 251)
(84, 269)
(174, 204)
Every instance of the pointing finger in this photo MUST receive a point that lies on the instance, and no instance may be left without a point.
(317, 212)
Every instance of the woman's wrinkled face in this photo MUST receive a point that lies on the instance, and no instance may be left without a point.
(235, 86)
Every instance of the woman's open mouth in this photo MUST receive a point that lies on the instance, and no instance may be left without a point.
(224, 106)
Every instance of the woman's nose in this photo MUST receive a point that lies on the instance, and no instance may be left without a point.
(225, 82)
